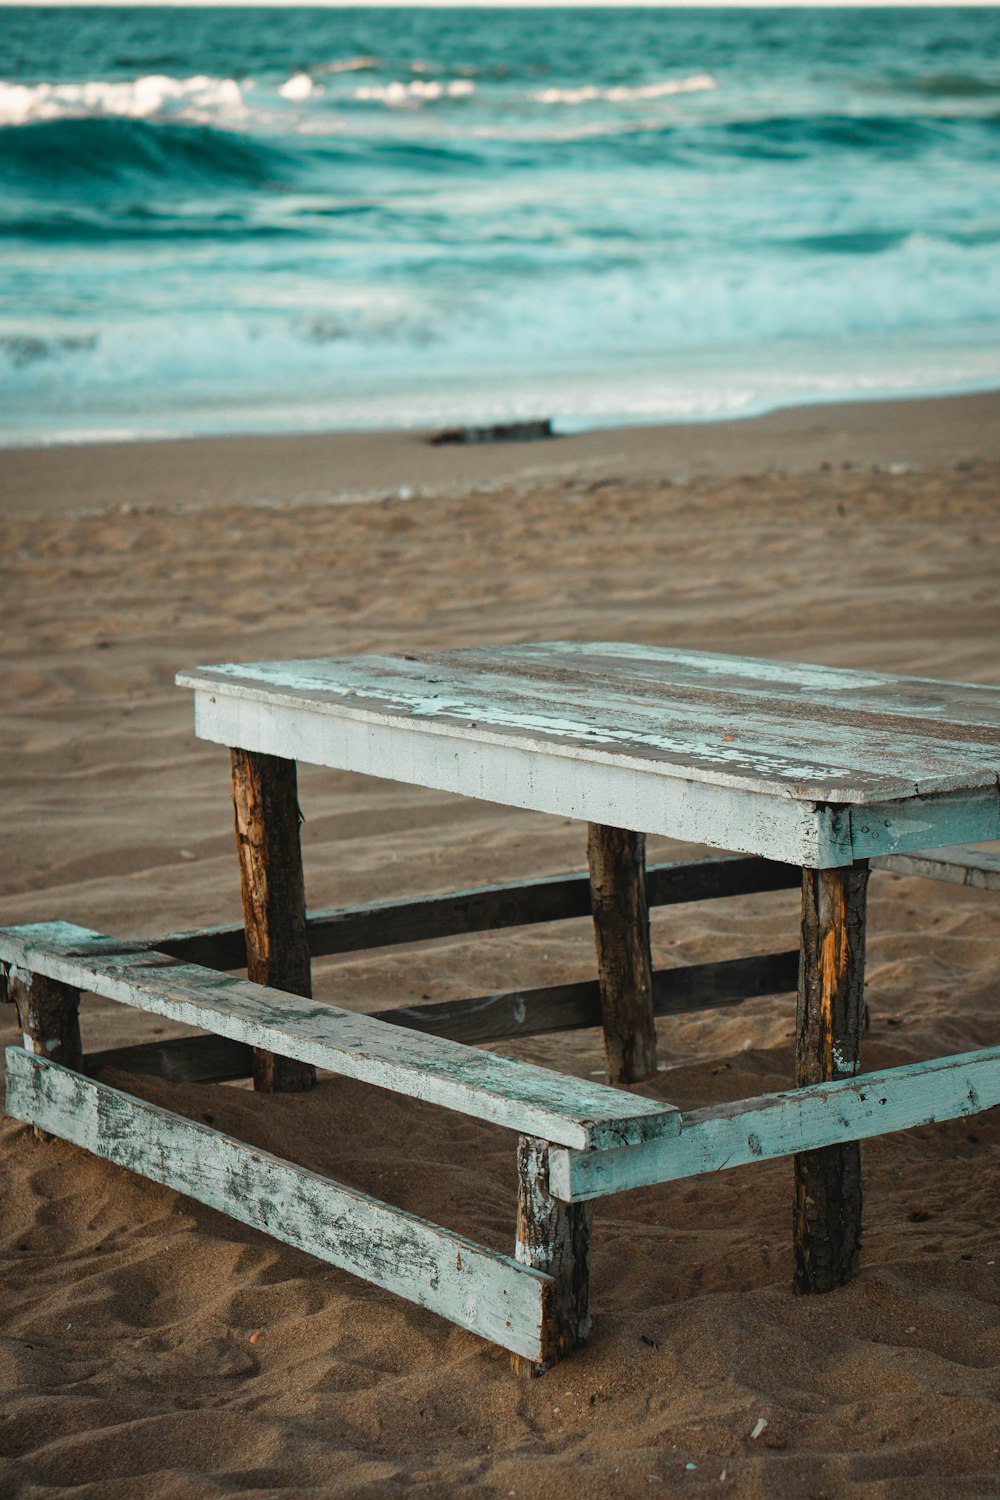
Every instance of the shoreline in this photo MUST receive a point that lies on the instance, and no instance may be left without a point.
(345, 467)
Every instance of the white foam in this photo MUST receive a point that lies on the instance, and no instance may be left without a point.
(200, 97)
(398, 95)
(624, 93)
(298, 87)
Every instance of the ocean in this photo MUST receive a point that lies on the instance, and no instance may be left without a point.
(300, 219)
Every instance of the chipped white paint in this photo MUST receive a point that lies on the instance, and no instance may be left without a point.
(732, 1135)
(602, 790)
(785, 761)
(474, 1287)
(520, 1096)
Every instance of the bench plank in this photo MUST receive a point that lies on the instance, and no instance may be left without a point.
(732, 1135)
(956, 865)
(573, 1007)
(485, 1018)
(520, 1096)
(489, 1294)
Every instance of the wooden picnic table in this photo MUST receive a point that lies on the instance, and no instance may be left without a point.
(806, 769)
(818, 767)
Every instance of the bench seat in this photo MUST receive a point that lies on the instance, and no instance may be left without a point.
(533, 1101)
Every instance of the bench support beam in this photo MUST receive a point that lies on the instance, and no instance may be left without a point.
(725, 1136)
(831, 1013)
(617, 859)
(554, 1238)
(266, 810)
(474, 1287)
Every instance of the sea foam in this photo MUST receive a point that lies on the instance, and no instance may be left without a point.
(626, 93)
(140, 99)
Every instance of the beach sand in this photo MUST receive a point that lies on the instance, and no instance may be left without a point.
(152, 1347)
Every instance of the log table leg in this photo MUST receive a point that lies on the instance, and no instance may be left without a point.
(553, 1237)
(831, 1010)
(265, 803)
(49, 1016)
(617, 861)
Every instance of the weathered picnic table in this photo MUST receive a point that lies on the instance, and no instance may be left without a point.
(815, 773)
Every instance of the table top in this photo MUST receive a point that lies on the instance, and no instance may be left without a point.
(815, 765)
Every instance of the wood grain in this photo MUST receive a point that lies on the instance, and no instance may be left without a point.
(485, 1018)
(266, 814)
(617, 860)
(817, 732)
(733, 753)
(553, 1237)
(830, 1023)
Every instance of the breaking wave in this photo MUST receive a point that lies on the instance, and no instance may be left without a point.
(84, 152)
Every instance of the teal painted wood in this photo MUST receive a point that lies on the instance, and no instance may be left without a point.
(839, 690)
(923, 822)
(733, 1135)
(810, 745)
(490, 1294)
(745, 755)
(978, 868)
(520, 1096)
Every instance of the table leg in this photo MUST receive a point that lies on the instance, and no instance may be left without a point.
(49, 1016)
(265, 803)
(831, 1011)
(553, 1237)
(617, 861)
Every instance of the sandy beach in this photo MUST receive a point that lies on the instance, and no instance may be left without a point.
(152, 1347)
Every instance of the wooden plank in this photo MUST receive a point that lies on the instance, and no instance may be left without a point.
(266, 815)
(489, 1294)
(552, 898)
(572, 1007)
(924, 703)
(899, 827)
(182, 1059)
(806, 745)
(520, 1096)
(553, 1237)
(617, 859)
(829, 1026)
(978, 868)
(485, 1018)
(733, 1135)
(598, 786)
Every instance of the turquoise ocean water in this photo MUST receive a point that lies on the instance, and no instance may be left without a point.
(230, 220)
